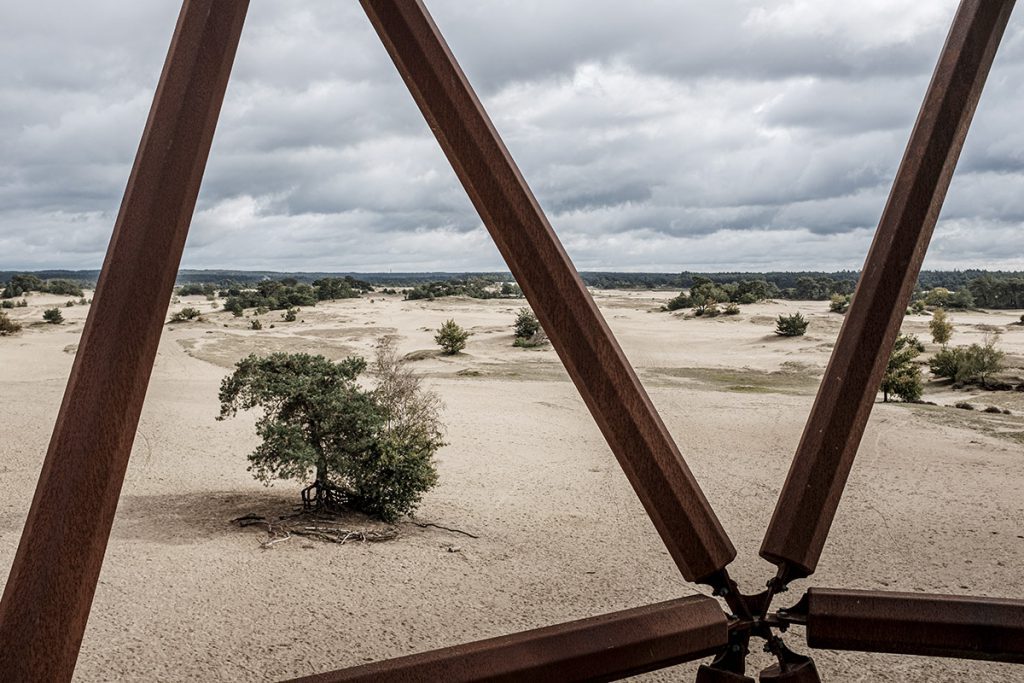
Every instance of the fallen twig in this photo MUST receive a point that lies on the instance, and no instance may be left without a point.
(446, 528)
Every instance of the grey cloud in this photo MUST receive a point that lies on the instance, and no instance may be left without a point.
(658, 135)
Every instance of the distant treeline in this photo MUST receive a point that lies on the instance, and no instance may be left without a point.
(985, 289)
(22, 283)
(489, 287)
(273, 295)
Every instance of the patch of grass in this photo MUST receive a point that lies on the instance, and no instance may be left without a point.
(793, 378)
(1000, 426)
(748, 389)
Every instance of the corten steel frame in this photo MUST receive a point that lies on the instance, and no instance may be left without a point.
(48, 595)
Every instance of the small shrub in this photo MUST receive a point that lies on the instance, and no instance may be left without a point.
(709, 310)
(993, 409)
(963, 405)
(791, 325)
(839, 303)
(53, 316)
(526, 324)
(186, 315)
(451, 338)
(6, 303)
(234, 304)
(291, 315)
(941, 328)
(917, 306)
(678, 302)
(527, 329)
(69, 304)
(255, 324)
(21, 304)
(8, 326)
(731, 309)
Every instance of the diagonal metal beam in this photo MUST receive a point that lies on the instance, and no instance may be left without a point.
(603, 648)
(578, 332)
(810, 496)
(915, 624)
(49, 593)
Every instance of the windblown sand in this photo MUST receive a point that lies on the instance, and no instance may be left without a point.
(935, 502)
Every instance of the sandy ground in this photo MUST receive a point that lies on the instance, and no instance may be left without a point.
(935, 502)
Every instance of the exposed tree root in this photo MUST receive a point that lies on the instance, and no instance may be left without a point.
(315, 526)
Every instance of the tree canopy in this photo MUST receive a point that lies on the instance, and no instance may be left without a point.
(371, 450)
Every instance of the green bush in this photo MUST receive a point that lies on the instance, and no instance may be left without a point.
(186, 314)
(234, 304)
(731, 309)
(902, 375)
(8, 326)
(53, 316)
(255, 324)
(527, 329)
(974, 364)
(678, 302)
(941, 328)
(290, 315)
(371, 450)
(839, 303)
(451, 338)
(790, 325)
(6, 303)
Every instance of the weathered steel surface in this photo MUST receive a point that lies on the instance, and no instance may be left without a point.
(47, 597)
(603, 648)
(810, 496)
(578, 332)
(916, 624)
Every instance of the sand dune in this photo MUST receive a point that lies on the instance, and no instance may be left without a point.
(935, 501)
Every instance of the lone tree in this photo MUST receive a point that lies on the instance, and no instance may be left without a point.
(451, 338)
(790, 325)
(370, 450)
(902, 375)
(53, 316)
(941, 328)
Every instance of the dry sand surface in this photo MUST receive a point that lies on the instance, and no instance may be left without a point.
(935, 502)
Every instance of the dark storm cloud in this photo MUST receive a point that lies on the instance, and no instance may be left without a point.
(657, 134)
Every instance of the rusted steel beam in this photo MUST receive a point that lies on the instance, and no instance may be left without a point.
(603, 648)
(915, 624)
(48, 595)
(810, 496)
(578, 332)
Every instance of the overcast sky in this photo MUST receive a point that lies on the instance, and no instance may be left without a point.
(657, 134)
